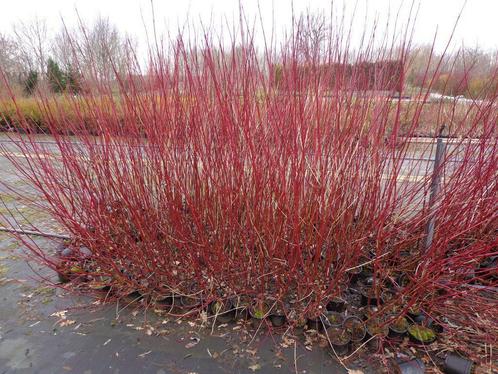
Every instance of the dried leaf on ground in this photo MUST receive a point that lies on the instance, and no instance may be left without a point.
(255, 367)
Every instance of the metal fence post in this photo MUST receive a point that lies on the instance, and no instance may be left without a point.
(435, 186)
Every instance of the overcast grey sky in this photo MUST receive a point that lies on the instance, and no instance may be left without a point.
(479, 23)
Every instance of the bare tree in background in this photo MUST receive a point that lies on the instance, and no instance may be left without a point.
(33, 44)
(63, 48)
(10, 64)
(314, 33)
(8, 58)
(99, 51)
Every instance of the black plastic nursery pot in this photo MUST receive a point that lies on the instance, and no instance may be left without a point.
(242, 306)
(63, 275)
(334, 319)
(415, 366)
(356, 328)
(366, 274)
(71, 262)
(399, 327)
(317, 323)
(222, 310)
(367, 281)
(376, 331)
(167, 301)
(368, 297)
(100, 284)
(387, 295)
(192, 299)
(455, 364)
(340, 339)
(67, 272)
(437, 327)
(133, 296)
(402, 280)
(189, 302)
(416, 315)
(421, 334)
(356, 275)
(277, 318)
(258, 311)
(336, 305)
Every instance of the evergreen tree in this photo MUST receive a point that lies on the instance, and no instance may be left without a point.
(56, 76)
(31, 82)
(72, 79)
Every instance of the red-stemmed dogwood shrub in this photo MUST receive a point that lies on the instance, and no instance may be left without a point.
(278, 174)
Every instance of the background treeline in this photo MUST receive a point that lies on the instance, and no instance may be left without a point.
(469, 72)
(32, 59)
(74, 61)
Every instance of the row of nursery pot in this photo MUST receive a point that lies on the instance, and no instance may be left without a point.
(339, 326)
(346, 327)
(453, 364)
(344, 331)
(224, 309)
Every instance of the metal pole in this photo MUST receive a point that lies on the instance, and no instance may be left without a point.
(35, 233)
(435, 185)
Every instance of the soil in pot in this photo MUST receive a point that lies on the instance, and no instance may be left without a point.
(222, 310)
(353, 298)
(377, 330)
(387, 296)
(259, 310)
(416, 315)
(340, 339)
(317, 322)
(369, 297)
(101, 284)
(356, 328)
(277, 317)
(355, 275)
(399, 327)
(296, 321)
(334, 319)
(369, 311)
(242, 306)
(300, 324)
(192, 299)
(421, 334)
